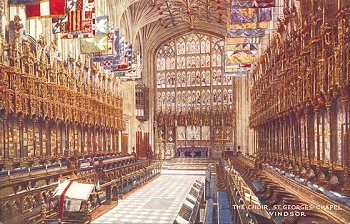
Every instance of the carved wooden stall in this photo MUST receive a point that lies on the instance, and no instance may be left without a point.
(300, 94)
(55, 110)
(53, 115)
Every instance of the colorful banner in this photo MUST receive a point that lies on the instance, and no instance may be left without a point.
(250, 15)
(23, 2)
(79, 21)
(246, 33)
(248, 21)
(112, 56)
(126, 60)
(94, 45)
(102, 26)
(44, 9)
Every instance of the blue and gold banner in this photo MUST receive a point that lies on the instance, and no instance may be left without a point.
(250, 15)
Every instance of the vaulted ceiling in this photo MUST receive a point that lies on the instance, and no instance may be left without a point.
(158, 20)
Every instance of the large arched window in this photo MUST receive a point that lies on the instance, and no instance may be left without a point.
(194, 100)
(189, 74)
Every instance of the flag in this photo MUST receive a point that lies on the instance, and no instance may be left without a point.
(102, 26)
(112, 54)
(94, 44)
(127, 60)
(19, 2)
(46, 8)
(250, 15)
(57, 23)
(79, 21)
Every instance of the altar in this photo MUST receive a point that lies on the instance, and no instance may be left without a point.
(192, 152)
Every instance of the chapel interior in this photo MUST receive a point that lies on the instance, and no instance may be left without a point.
(175, 111)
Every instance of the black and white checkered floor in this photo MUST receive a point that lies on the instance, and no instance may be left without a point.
(158, 202)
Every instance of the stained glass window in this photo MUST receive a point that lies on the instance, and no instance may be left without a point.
(188, 68)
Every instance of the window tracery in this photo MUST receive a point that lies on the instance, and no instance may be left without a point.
(190, 61)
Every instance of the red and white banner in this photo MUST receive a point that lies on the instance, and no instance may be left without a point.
(46, 8)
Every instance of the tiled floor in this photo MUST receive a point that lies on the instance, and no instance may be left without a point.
(158, 202)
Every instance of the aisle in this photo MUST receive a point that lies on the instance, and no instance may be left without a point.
(158, 202)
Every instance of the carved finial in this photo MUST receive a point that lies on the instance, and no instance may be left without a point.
(41, 41)
(18, 24)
